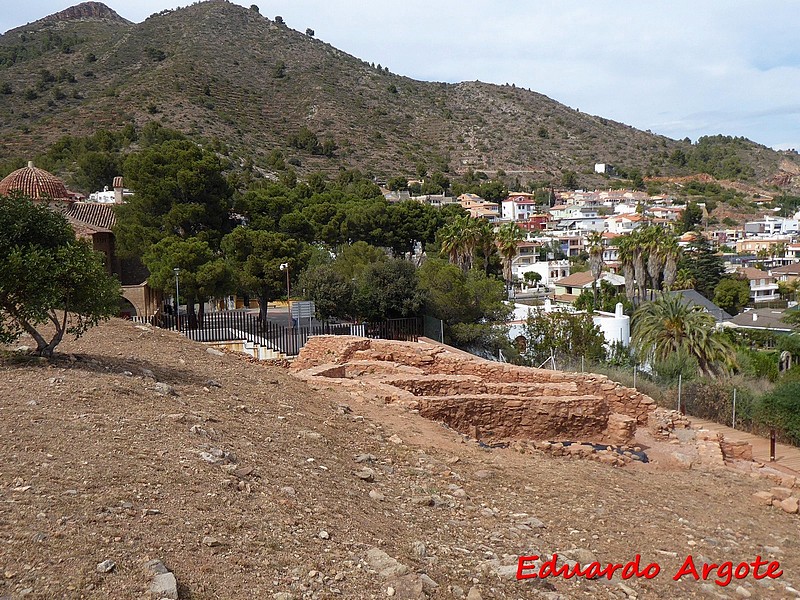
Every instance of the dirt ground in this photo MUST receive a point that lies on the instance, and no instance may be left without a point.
(137, 444)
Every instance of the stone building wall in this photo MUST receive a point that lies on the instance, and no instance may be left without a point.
(493, 401)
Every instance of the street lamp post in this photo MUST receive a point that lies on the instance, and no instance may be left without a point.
(285, 267)
(176, 270)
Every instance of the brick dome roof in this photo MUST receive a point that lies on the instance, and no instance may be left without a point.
(35, 183)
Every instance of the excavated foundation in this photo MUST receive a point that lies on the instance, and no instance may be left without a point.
(494, 402)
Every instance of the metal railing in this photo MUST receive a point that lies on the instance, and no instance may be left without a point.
(231, 326)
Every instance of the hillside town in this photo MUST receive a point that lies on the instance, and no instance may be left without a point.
(277, 322)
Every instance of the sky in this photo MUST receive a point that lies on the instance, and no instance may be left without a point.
(679, 68)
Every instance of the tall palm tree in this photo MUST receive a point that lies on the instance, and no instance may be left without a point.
(672, 254)
(508, 238)
(595, 241)
(667, 325)
(626, 251)
(450, 240)
(638, 243)
(486, 243)
(654, 238)
(459, 238)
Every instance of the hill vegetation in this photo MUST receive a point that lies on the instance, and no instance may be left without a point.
(277, 89)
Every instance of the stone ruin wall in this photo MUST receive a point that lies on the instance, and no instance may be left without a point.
(490, 401)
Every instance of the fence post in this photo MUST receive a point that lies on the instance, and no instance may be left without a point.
(733, 421)
(772, 445)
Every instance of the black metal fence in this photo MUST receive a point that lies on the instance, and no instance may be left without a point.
(231, 326)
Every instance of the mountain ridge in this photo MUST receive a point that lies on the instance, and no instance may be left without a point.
(180, 67)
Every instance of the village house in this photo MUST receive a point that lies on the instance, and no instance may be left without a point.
(616, 326)
(478, 208)
(763, 286)
(760, 319)
(518, 206)
(771, 226)
(568, 289)
(93, 222)
(752, 245)
(622, 224)
(787, 273)
(536, 222)
(528, 260)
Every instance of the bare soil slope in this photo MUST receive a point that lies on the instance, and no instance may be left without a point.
(139, 444)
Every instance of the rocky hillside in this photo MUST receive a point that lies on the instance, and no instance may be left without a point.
(138, 445)
(218, 70)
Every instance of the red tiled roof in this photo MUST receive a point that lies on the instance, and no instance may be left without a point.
(36, 184)
(753, 273)
(576, 279)
(100, 216)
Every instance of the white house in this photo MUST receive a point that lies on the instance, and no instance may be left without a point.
(770, 226)
(519, 206)
(763, 286)
(602, 168)
(623, 223)
(616, 326)
(118, 195)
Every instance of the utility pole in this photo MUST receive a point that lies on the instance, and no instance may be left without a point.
(176, 270)
(285, 267)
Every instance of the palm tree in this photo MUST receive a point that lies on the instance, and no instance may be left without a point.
(626, 251)
(595, 241)
(450, 240)
(508, 238)
(654, 238)
(637, 241)
(459, 238)
(667, 325)
(486, 243)
(672, 254)
(684, 280)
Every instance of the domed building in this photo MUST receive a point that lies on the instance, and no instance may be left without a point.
(92, 222)
(37, 184)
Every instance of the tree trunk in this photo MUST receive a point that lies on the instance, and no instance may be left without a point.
(263, 304)
(201, 314)
(191, 316)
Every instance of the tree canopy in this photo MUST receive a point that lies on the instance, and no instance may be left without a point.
(180, 191)
(668, 325)
(48, 277)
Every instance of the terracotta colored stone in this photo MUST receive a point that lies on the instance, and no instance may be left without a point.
(480, 398)
(790, 505)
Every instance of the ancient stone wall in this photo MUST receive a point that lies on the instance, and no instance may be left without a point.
(492, 401)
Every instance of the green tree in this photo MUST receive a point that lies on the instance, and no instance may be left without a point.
(595, 242)
(96, 170)
(331, 292)
(353, 259)
(470, 303)
(532, 278)
(203, 273)
(508, 238)
(180, 191)
(563, 335)
(691, 217)
(569, 180)
(388, 290)
(732, 295)
(458, 240)
(48, 277)
(667, 325)
(781, 408)
(256, 257)
(704, 266)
